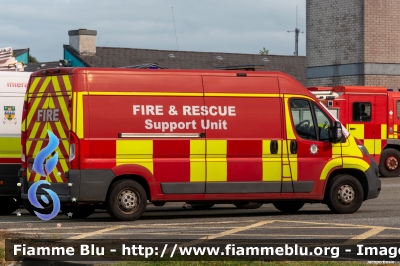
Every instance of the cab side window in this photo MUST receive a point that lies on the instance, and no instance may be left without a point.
(303, 119)
(362, 112)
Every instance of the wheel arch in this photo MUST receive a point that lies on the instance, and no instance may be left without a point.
(134, 172)
(358, 174)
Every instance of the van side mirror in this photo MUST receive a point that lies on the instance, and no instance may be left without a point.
(337, 134)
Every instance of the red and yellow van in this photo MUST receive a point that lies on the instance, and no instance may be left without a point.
(131, 136)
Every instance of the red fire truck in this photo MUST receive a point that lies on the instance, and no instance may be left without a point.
(371, 114)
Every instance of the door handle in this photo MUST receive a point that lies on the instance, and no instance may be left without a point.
(273, 147)
(293, 147)
(352, 128)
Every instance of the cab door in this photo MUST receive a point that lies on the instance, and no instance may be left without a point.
(309, 144)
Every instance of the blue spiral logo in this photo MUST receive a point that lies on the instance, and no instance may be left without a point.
(39, 166)
(33, 200)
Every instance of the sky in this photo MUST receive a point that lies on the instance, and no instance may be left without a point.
(230, 26)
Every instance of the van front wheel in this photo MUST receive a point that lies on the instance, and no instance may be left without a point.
(345, 194)
(126, 200)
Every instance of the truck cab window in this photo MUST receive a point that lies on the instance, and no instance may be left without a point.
(303, 119)
(323, 124)
(361, 112)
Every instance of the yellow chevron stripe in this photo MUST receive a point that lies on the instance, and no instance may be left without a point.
(61, 100)
(57, 124)
(32, 88)
(67, 85)
(36, 102)
(34, 130)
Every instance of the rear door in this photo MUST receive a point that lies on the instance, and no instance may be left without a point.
(47, 128)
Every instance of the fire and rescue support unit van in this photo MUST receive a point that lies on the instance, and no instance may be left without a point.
(122, 137)
(372, 115)
(13, 86)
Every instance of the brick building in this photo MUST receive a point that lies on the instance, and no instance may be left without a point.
(353, 42)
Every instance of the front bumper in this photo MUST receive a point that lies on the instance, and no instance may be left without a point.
(374, 183)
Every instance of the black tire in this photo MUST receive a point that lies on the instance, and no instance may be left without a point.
(9, 205)
(126, 201)
(200, 206)
(288, 206)
(248, 205)
(344, 194)
(389, 164)
(48, 208)
(78, 212)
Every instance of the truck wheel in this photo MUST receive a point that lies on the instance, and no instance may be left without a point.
(390, 163)
(126, 200)
(248, 205)
(8, 205)
(288, 206)
(344, 194)
(30, 208)
(78, 212)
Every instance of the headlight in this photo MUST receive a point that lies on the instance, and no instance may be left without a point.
(363, 149)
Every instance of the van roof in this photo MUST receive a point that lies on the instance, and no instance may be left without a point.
(292, 85)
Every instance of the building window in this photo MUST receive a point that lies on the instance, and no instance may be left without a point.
(362, 112)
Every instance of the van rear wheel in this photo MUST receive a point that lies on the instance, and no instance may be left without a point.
(389, 164)
(288, 206)
(248, 205)
(126, 200)
(345, 194)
